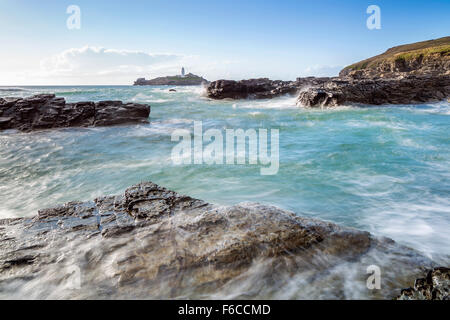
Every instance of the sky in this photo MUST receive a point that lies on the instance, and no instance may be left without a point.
(119, 41)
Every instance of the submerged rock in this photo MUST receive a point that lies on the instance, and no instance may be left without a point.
(435, 286)
(153, 243)
(46, 111)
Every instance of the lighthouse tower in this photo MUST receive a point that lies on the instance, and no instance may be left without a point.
(182, 72)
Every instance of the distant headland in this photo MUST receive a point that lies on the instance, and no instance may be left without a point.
(178, 80)
(407, 74)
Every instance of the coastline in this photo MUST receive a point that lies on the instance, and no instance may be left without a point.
(407, 74)
(140, 238)
(150, 236)
(391, 294)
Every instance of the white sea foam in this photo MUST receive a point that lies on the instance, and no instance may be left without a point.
(393, 183)
(276, 103)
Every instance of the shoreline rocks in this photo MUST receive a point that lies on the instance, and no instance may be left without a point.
(152, 243)
(330, 92)
(434, 286)
(262, 88)
(46, 111)
(406, 74)
(407, 90)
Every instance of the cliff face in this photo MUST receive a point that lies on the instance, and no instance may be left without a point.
(188, 80)
(419, 59)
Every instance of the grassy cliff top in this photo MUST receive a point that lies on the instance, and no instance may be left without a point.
(406, 52)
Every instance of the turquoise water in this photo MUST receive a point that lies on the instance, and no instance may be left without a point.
(380, 169)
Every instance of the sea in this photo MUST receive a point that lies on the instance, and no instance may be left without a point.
(383, 169)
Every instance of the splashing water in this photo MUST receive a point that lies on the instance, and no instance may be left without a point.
(380, 169)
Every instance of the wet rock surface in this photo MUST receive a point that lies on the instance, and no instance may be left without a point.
(47, 111)
(331, 92)
(406, 90)
(435, 286)
(406, 74)
(262, 88)
(153, 243)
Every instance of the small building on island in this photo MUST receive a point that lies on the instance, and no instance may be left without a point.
(182, 79)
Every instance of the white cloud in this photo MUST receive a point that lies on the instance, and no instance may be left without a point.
(101, 65)
(96, 65)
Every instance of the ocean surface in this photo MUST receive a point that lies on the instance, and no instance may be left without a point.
(381, 169)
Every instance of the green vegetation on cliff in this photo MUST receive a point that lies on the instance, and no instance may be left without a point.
(439, 47)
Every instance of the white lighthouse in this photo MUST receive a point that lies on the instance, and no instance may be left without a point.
(182, 72)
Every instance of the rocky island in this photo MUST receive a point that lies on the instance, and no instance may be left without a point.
(46, 111)
(151, 242)
(413, 73)
(178, 80)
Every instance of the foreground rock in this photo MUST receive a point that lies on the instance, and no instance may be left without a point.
(262, 88)
(435, 286)
(46, 111)
(151, 243)
(407, 90)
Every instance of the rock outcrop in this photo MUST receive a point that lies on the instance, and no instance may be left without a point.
(47, 111)
(262, 88)
(414, 73)
(407, 90)
(151, 242)
(435, 286)
(187, 80)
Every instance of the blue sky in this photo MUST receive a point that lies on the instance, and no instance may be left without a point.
(121, 40)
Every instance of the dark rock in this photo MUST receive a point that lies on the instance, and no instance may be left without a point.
(5, 122)
(46, 111)
(412, 73)
(435, 286)
(115, 112)
(151, 242)
(406, 90)
(262, 88)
